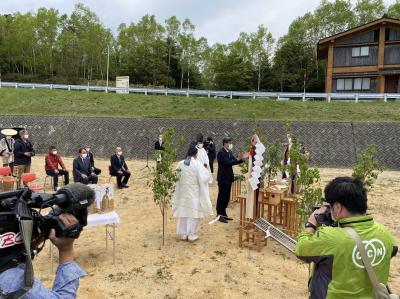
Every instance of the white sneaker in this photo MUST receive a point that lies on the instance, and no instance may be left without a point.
(193, 238)
(184, 237)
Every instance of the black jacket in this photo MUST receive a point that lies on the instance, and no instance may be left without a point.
(20, 148)
(225, 162)
(211, 151)
(117, 164)
(80, 166)
(157, 146)
(91, 159)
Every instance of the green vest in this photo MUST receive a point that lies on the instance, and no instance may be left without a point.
(339, 271)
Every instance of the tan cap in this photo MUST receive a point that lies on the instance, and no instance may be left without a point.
(9, 132)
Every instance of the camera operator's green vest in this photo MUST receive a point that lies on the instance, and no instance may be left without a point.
(339, 271)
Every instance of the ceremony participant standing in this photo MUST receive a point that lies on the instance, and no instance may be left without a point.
(23, 153)
(191, 201)
(225, 177)
(159, 147)
(201, 152)
(52, 160)
(90, 156)
(211, 153)
(119, 168)
(7, 147)
(82, 169)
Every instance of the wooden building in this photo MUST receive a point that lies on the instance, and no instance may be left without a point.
(363, 59)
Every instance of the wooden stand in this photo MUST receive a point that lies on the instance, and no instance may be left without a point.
(249, 235)
(291, 220)
(236, 190)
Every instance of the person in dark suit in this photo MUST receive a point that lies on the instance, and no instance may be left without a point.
(82, 169)
(159, 147)
(90, 156)
(225, 177)
(119, 168)
(211, 152)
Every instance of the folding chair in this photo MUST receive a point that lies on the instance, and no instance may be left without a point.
(30, 177)
(6, 179)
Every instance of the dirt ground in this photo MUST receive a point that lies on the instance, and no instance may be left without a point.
(212, 267)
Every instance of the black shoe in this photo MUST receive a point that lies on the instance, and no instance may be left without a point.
(228, 218)
(222, 219)
(125, 186)
(121, 187)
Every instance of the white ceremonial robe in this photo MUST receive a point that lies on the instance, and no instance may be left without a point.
(191, 200)
(202, 157)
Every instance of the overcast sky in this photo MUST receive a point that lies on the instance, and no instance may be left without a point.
(217, 20)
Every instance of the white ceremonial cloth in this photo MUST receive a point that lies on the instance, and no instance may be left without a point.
(202, 157)
(250, 193)
(187, 226)
(191, 198)
(103, 219)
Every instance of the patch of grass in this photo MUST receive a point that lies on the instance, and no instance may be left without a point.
(97, 104)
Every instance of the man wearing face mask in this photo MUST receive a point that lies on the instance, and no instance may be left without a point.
(339, 269)
(119, 168)
(225, 177)
(52, 160)
(201, 152)
(23, 153)
(82, 169)
(159, 147)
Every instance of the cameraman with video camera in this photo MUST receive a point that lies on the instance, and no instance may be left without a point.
(339, 269)
(23, 230)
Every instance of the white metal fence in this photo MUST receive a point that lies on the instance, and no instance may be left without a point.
(357, 97)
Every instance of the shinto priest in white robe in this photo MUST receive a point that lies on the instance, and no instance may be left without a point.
(191, 200)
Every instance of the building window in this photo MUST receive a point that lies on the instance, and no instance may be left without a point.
(366, 84)
(348, 84)
(360, 51)
(340, 84)
(353, 84)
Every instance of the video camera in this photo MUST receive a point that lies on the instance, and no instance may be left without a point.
(324, 218)
(23, 228)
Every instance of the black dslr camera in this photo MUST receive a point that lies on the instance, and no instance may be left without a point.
(324, 218)
(22, 208)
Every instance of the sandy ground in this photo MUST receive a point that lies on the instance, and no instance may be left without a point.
(212, 267)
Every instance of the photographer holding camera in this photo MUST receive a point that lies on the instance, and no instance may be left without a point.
(23, 231)
(339, 269)
(66, 282)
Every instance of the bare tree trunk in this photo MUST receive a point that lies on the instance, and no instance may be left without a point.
(182, 78)
(188, 78)
(259, 76)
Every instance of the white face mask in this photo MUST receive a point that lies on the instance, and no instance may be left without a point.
(88, 149)
(54, 152)
(26, 136)
(119, 153)
(200, 145)
(230, 147)
(84, 156)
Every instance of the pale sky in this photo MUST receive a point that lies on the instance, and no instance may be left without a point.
(217, 20)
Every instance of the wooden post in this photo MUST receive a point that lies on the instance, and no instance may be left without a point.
(381, 58)
(329, 69)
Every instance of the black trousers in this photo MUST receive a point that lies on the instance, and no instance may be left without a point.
(211, 161)
(224, 195)
(65, 173)
(90, 179)
(122, 178)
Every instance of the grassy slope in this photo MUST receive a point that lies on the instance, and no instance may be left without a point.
(82, 103)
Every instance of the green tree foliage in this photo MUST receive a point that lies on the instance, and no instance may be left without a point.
(368, 166)
(48, 46)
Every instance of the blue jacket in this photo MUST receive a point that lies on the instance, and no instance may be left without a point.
(225, 162)
(20, 148)
(79, 167)
(117, 164)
